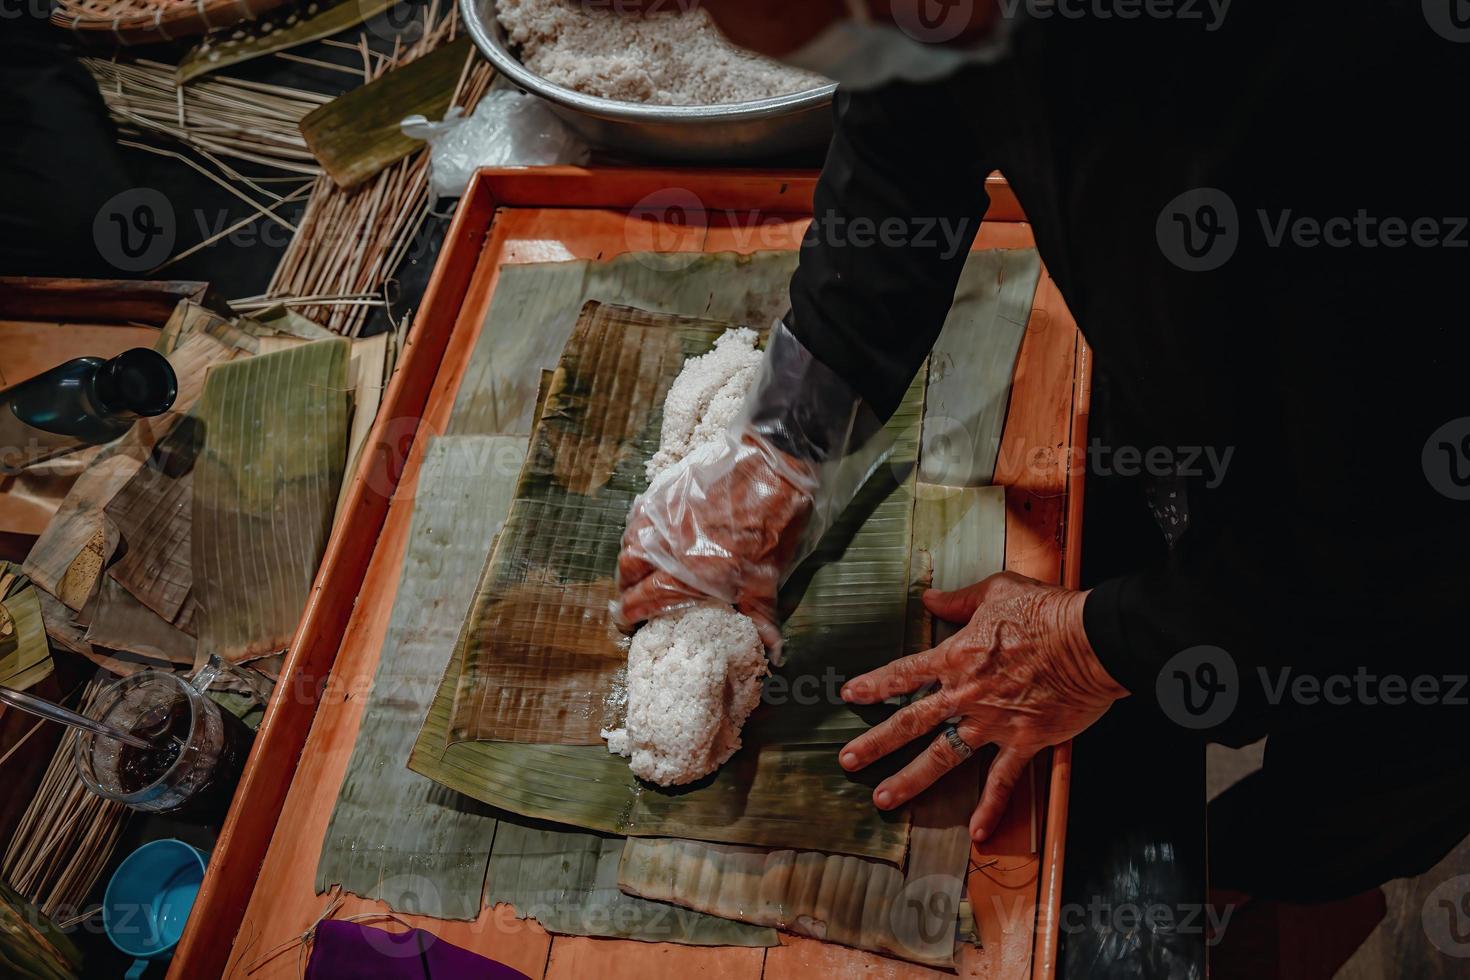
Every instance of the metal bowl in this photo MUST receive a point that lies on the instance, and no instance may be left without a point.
(764, 128)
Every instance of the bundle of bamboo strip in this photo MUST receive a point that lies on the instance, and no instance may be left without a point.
(67, 834)
(212, 122)
(229, 117)
(349, 242)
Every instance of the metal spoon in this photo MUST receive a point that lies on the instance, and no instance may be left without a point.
(42, 708)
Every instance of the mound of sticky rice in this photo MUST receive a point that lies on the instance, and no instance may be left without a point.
(671, 55)
(706, 398)
(693, 679)
(694, 676)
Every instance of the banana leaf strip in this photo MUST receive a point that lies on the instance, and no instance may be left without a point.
(276, 30)
(357, 134)
(284, 320)
(265, 484)
(842, 899)
(32, 947)
(535, 307)
(568, 882)
(25, 656)
(395, 835)
(836, 898)
(153, 515)
(971, 366)
(963, 530)
(118, 621)
(369, 371)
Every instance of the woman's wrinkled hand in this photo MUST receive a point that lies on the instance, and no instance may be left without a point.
(1020, 674)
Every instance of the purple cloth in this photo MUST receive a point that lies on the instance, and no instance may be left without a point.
(346, 950)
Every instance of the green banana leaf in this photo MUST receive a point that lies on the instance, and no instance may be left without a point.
(749, 800)
(963, 530)
(276, 31)
(25, 656)
(284, 320)
(395, 835)
(971, 367)
(765, 794)
(356, 135)
(67, 558)
(422, 848)
(541, 651)
(568, 882)
(274, 437)
(31, 946)
(872, 905)
(153, 516)
(118, 621)
(535, 307)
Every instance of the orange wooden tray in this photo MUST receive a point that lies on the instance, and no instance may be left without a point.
(259, 893)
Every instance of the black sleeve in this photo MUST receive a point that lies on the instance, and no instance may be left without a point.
(897, 207)
(1189, 599)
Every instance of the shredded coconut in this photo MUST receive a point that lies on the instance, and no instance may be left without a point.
(693, 679)
(665, 57)
(706, 398)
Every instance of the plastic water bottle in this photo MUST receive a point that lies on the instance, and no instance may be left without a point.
(84, 402)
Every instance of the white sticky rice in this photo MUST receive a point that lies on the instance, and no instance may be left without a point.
(695, 675)
(673, 55)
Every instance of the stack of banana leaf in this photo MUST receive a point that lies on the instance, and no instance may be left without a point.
(479, 776)
(25, 656)
(199, 531)
(31, 946)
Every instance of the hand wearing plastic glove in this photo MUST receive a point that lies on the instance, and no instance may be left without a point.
(725, 527)
(732, 522)
(1020, 674)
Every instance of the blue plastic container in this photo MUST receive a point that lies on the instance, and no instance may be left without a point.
(149, 899)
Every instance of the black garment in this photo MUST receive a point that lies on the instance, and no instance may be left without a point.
(1321, 367)
(59, 160)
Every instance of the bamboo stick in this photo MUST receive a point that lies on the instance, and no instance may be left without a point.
(66, 835)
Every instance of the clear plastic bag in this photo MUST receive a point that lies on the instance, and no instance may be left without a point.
(507, 129)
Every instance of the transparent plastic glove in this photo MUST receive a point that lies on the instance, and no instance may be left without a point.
(736, 517)
(725, 526)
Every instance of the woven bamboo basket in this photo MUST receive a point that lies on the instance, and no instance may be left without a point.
(151, 21)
